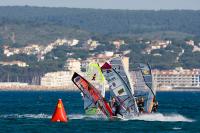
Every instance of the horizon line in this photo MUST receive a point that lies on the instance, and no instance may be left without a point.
(164, 9)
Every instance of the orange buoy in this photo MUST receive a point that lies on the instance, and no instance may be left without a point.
(59, 113)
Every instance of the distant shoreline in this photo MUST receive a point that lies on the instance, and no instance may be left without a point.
(37, 88)
(76, 90)
(22, 87)
(179, 90)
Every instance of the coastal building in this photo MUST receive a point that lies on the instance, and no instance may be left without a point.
(37, 49)
(12, 84)
(102, 58)
(190, 42)
(99, 58)
(178, 78)
(125, 61)
(56, 79)
(196, 48)
(7, 52)
(60, 42)
(126, 52)
(157, 44)
(118, 43)
(73, 65)
(92, 44)
(59, 79)
(72, 42)
(11, 63)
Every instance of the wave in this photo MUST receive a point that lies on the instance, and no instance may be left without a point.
(176, 128)
(87, 117)
(47, 116)
(33, 116)
(145, 117)
(163, 118)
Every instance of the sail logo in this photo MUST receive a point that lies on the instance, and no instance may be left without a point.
(120, 91)
(59, 106)
(145, 72)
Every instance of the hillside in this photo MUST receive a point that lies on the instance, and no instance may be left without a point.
(41, 24)
(22, 26)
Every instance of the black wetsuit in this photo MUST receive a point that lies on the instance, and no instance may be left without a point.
(141, 106)
(155, 107)
(117, 109)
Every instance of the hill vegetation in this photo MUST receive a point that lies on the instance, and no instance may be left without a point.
(36, 24)
(21, 26)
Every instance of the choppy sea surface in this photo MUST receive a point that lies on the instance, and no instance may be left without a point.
(30, 112)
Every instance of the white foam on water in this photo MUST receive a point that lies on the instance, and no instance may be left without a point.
(176, 128)
(82, 116)
(145, 117)
(163, 118)
(76, 116)
(47, 116)
(18, 116)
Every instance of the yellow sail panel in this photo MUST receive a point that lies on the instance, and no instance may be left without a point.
(95, 76)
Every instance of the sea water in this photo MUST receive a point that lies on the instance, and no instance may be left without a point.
(30, 112)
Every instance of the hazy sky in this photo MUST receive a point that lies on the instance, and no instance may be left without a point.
(109, 4)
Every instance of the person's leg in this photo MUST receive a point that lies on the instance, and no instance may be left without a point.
(115, 114)
(120, 114)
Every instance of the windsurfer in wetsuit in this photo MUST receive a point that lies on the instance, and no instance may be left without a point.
(155, 105)
(140, 103)
(115, 107)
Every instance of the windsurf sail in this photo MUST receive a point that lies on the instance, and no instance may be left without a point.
(96, 78)
(120, 90)
(144, 86)
(118, 65)
(92, 94)
(148, 79)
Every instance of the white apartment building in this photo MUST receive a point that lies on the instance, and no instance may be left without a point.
(57, 79)
(157, 44)
(60, 79)
(118, 43)
(73, 65)
(72, 42)
(11, 63)
(190, 42)
(177, 78)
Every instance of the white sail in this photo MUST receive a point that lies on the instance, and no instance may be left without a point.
(120, 89)
(144, 87)
(120, 68)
